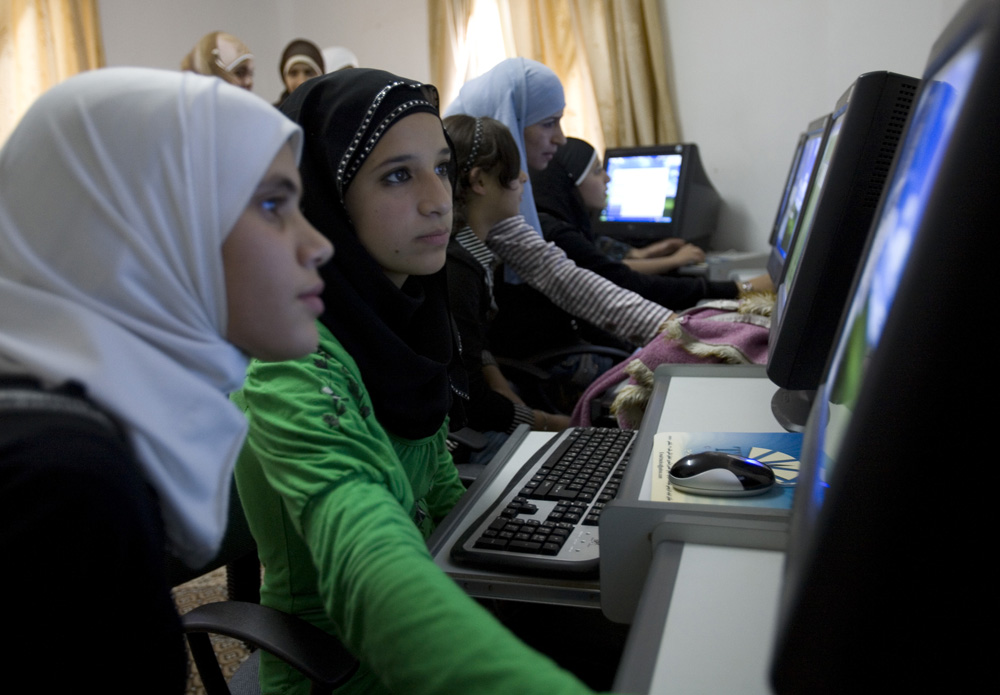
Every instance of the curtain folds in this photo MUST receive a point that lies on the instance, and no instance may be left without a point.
(449, 20)
(42, 42)
(610, 57)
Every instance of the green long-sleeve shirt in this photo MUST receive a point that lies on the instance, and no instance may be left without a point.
(340, 510)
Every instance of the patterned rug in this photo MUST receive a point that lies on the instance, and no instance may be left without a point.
(230, 652)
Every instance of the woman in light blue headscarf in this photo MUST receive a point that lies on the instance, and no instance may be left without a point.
(527, 97)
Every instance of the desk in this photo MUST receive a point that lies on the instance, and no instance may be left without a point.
(695, 630)
(706, 615)
(712, 633)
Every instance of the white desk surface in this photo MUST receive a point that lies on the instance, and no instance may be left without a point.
(708, 404)
(718, 633)
(716, 629)
(712, 404)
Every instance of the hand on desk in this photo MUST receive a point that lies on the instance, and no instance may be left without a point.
(663, 247)
(663, 256)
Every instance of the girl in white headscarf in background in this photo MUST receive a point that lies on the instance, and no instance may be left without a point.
(224, 56)
(150, 240)
(339, 58)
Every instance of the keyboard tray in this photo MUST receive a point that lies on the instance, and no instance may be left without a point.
(546, 520)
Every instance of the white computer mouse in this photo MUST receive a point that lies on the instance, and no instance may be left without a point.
(720, 474)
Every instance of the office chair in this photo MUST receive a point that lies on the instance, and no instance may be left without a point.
(540, 388)
(315, 653)
(461, 443)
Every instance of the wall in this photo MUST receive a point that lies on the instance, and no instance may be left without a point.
(748, 76)
(388, 34)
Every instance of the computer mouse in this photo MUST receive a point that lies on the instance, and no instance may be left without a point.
(720, 474)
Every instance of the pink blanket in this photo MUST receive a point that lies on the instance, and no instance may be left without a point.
(724, 331)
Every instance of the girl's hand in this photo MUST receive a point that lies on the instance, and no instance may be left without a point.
(663, 247)
(688, 254)
(549, 422)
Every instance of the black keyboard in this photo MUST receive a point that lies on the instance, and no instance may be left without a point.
(545, 522)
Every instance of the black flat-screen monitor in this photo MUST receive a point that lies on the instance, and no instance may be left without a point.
(786, 192)
(658, 192)
(866, 127)
(881, 585)
(790, 212)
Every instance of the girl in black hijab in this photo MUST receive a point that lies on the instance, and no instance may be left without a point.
(345, 471)
(399, 334)
(568, 192)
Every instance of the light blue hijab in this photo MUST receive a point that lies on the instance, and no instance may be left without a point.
(517, 92)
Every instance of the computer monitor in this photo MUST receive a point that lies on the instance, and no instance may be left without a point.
(658, 192)
(786, 192)
(866, 127)
(790, 213)
(878, 582)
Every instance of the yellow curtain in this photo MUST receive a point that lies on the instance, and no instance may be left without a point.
(550, 32)
(610, 57)
(42, 42)
(449, 20)
(623, 46)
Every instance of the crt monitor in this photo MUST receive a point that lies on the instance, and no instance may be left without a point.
(790, 212)
(879, 581)
(866, 127)
(658, 192)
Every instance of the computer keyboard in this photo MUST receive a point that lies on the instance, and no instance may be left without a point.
(545, 522)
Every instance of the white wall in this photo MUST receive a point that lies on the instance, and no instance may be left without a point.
(388, 34)
(748, 75)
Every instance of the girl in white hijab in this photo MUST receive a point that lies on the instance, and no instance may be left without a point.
(224, 56)
(150, 238)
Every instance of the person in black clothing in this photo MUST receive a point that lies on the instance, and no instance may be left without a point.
(567, 193)
(487, 190)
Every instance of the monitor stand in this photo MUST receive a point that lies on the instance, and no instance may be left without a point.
(791, 408)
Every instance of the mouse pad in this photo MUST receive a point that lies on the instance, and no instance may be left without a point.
(779, 450)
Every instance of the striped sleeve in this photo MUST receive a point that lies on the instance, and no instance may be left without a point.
(584, 294)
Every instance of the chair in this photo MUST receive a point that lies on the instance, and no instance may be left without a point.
(540, 387)
(461, 443)
(317, 654)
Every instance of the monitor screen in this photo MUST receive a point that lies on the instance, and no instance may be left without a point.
(643, 188)
(874, 577)
(788, 223)
(894, 235)
(791, 261)
(787, 190)
(658, 192)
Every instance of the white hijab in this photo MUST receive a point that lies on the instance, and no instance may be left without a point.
(117, 190)
(338, 57)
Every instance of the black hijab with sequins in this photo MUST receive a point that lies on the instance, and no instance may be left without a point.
(401, 338)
